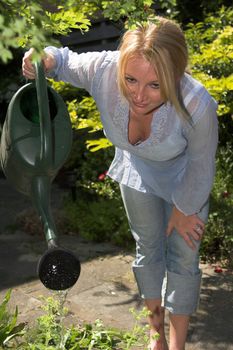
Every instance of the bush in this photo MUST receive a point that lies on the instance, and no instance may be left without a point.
(217, 243)
(98, 214)
(211, 51)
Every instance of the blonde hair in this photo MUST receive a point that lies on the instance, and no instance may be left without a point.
(162, 43)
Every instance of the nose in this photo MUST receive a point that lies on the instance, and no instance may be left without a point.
(139, 93)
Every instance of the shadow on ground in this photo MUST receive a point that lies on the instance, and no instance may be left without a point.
(214, 322)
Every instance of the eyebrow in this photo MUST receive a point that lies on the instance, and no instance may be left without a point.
(131, 76)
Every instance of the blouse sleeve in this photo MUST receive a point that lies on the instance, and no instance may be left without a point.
(195, 185)
(76, 69)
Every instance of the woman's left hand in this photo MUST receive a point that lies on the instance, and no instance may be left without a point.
(190, 227)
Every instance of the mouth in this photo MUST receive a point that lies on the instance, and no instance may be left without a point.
(140, 105)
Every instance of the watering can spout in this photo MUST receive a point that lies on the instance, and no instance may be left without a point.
(41, 189)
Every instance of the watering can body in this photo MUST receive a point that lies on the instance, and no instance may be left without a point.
(21, 138)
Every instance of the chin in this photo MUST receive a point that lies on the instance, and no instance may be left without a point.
(140, 111)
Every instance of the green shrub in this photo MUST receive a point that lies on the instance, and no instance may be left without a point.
(211, 52)
(98, 213)
(217, 243)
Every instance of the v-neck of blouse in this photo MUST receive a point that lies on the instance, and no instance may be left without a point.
(162, 124)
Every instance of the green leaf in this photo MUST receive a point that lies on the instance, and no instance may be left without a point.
(96, 145)
(3, 305)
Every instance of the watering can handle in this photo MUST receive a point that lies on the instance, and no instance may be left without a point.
(46, 154)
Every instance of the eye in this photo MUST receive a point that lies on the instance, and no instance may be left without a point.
(155, 85)
(130, 79)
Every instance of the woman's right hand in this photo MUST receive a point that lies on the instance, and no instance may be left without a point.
(28, 68)
(189, 227)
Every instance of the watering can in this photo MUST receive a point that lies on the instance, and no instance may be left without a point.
(36, 140)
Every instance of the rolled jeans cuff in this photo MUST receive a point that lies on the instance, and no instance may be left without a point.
(182, 293)
(149, 279)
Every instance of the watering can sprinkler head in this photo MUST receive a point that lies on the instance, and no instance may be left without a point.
(58, 269)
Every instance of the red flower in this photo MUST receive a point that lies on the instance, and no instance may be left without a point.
(102, 176)
(225, 194)
(218, 269)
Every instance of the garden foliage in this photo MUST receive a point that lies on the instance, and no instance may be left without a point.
(35, 24)
(9, 328)
(211, 48)
(49, 331)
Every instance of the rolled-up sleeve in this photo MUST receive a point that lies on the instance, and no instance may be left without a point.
(195, 185)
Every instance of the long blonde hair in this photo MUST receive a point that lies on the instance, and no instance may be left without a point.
(162, 43)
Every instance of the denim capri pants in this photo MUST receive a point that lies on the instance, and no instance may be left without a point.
(164, 267)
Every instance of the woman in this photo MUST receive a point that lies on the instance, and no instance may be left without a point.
(164, 127)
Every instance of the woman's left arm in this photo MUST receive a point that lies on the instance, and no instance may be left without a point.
(193, 191)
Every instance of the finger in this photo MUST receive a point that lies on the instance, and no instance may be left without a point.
(28, 68)
(27, 64)
(169, 230)
(28, 73)
(195, 235)
(200, 223)
(189, 241)
(27, 59)
(48, 62)
(199, 231)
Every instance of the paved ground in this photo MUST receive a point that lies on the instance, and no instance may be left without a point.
(106, 287)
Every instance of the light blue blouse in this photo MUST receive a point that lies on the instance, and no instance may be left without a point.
(177, 161)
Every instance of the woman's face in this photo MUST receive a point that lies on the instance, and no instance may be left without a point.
(143, 90)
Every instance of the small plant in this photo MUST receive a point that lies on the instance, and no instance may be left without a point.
(8, 322)
(138, 335)
(50, 333)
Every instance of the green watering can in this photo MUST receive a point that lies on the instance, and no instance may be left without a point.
(36, 140)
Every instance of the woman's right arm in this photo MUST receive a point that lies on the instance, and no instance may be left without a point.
(62, 64)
